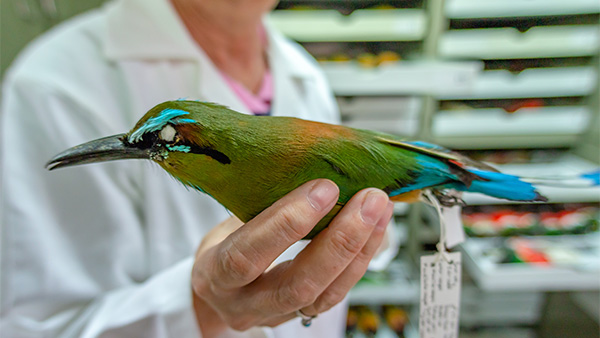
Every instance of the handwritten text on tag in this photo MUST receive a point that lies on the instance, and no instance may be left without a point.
(440, 296)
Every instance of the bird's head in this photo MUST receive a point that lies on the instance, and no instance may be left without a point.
(183, 137)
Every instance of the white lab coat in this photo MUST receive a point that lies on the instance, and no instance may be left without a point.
(106, 249)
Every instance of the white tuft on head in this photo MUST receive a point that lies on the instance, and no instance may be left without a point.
(167, 134)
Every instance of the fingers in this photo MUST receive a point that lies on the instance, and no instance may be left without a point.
(219, 233)
(337, 290)
(231, 278)
(340, 287)
(248, 252)
(332, 251)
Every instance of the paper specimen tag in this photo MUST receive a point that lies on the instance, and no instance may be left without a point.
(440, 295)
(455, 233)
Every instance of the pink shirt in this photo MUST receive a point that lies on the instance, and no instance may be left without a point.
(259, 104)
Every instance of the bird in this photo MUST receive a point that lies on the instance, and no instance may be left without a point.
(248, 162)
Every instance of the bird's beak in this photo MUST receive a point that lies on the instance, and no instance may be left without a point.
(104, 149)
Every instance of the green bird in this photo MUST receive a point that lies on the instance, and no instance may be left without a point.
(248, 162)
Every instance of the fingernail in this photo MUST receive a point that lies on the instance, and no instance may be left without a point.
(373, 205)
(322, 194)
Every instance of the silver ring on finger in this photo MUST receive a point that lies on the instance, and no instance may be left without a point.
(306, 319)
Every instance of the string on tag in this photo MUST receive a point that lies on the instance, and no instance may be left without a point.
(430, 199)
(439, 306)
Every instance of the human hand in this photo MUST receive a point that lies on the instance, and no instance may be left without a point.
(231, 280)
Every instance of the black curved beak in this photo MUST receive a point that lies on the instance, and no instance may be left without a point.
(104, 149)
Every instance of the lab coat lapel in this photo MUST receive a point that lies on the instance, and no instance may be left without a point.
(290, 77)
(146, 30)
(213, 87)
(288, 97)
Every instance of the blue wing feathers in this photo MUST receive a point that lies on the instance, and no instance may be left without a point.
(428, 145)
(433, 172)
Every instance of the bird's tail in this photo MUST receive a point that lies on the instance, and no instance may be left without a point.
(504, 186)
(517, 188)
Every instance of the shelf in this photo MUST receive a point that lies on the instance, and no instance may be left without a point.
(507, 142)
(580, 274)
(565, 165)
(396, 287)
(560, 125)
(394, 115)
(466, 9)
(509, 43)
(361, 25)
(392, 293)
(380, 107)
(533, 82)
(401, 127)
(485, 308)
(401, 78)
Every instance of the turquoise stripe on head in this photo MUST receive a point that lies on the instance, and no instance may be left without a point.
(180, 148)
(156, 123)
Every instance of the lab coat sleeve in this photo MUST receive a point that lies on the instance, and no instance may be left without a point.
(72, 250)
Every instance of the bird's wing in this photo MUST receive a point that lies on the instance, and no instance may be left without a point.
(465, 174)
(438, 152)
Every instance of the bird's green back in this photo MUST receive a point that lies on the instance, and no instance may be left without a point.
(267, 157)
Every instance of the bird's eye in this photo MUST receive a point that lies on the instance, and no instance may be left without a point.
(168, 133)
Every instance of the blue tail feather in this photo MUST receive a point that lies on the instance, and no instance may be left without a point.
(501, 185)
(435, 173)
(593, 176)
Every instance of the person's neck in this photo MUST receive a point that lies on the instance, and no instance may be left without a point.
(231, 37)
